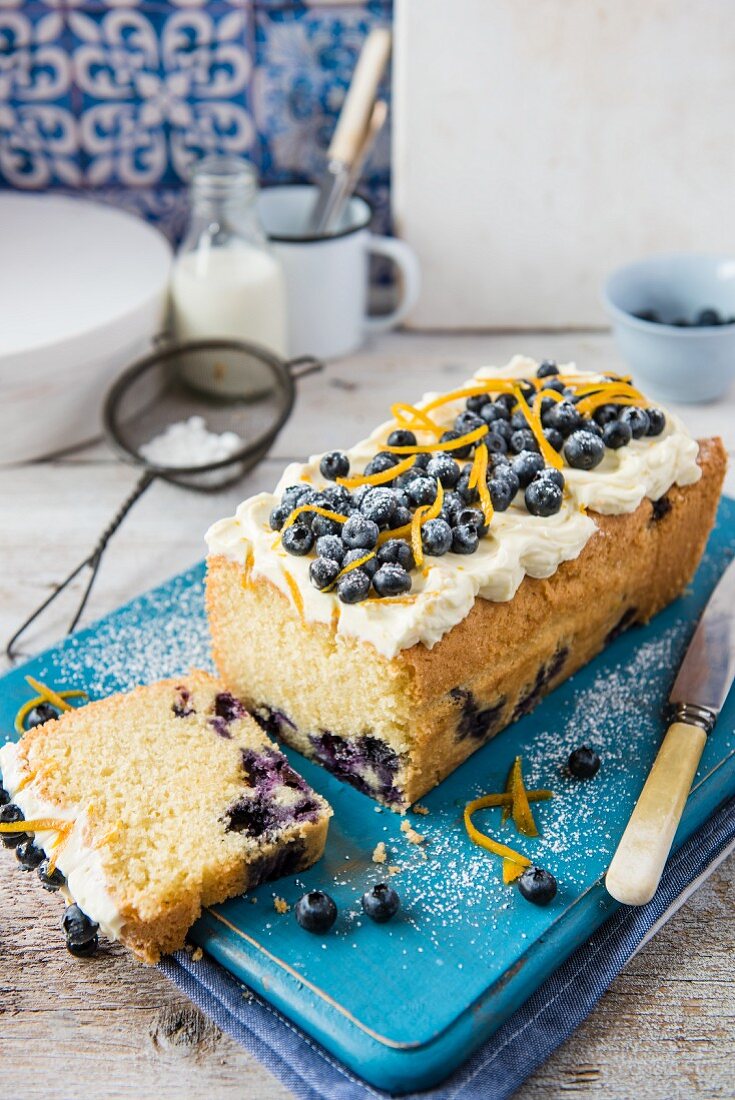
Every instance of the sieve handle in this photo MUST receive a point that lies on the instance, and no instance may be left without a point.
(93, 561)
(303, 365)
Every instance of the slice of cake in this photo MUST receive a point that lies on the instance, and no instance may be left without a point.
(390, 608)
(153, 804)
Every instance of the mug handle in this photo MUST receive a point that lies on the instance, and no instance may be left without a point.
(405, 259)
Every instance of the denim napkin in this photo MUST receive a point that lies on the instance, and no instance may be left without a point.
(524, 1041)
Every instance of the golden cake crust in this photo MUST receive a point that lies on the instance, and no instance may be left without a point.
(496, 663)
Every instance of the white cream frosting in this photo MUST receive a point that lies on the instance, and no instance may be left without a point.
(517, 545)
(80, 864)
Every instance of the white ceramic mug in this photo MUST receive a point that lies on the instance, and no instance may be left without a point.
(327, 277)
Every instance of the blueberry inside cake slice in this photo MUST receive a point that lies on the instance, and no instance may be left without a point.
(145, 807)
(390, 608)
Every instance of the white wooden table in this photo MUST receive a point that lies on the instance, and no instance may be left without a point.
(110, 1028)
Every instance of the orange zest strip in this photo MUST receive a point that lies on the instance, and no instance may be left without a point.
(594, 401)
(449, 445)
(488, 385)
(37, 825)
(478, 480)
(505, 798)
(522, 814)
(295, 594)
(47, 696)
(484, 841)
(336, 516)
(511, 871)
(62, 842)
(534, 422)
(416, 544)
(348, 568)
(377, 479)
(48, 693)
(408, 416)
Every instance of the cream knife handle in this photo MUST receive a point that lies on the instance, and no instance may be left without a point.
(358, 104)
(638, 863)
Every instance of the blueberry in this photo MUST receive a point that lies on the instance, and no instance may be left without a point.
(452, 505)
(637, 419)
(331, 546)
(401, 437)
(79, 930)
(44, 712)
(380, 903)
(381, 462)
(421, 461)
(367, 567)
(523, 440)
(477, 402)
(443, 467)
(526, 465)
(583, 450)
(279, 515)
(323, 572)
(28, 855)
(543, 497)
(436, 537)
(493, 413)
(495, 443)
(554, 438)
(518, 421)
(502, 491)
(422, 490)
(605, 413)
(359, 495)
(457, 452)
(360, 533)
(50, 882)
(321, 525)
(295, 495)
(469, 496)
(404, 480)
(315, 911)
(400, 518)
(527, 388)
(552, 474)
(333, 465)
(338, 498)
(475, 518)
(537, 885)
(498, 462)
(547, 369)
(592, 426)
(546, 404)
(564, 418)
(9, 814)
(584, 762)
(379, 505)
(507, 400)
(297, 539)
(554, 384)
(708, 317)
(354, 586)
(391, 580)
(656, 421)
(616, 434)
(468, 422)
(396, 551)
(465, 539)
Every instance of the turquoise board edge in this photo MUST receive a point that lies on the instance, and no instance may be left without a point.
(442, 1041)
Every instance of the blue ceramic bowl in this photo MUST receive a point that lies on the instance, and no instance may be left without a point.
(690, 364)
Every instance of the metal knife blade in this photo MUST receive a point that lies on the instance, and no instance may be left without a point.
(707, 671)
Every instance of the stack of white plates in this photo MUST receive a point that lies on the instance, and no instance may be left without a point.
(83, 291)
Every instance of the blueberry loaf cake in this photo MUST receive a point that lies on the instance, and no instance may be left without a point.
(390, 608)
(150, 805)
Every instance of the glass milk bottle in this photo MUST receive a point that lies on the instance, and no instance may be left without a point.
(226, 282)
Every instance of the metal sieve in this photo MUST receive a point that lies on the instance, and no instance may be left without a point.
(234, 386)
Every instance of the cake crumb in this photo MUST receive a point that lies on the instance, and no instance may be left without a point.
(419, 809)
(380, 855)
(198, 955)
(410, 833)
(395, 870)
(281, 905)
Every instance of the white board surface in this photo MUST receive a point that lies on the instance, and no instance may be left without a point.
(540, 143)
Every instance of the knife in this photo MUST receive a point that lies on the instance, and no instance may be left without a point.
(351, 129)
(698, 695)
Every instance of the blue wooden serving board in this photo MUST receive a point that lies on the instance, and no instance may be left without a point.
(403, 1004)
